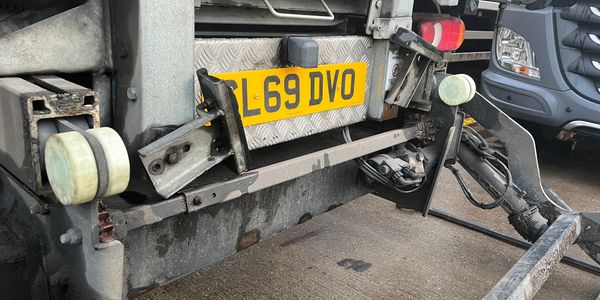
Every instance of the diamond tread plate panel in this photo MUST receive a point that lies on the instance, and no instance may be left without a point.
(220, 55)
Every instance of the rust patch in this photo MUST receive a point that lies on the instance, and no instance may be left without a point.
(389, 112)
(248, 239)
(106, 224)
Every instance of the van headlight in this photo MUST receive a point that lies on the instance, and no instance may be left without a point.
(514, 53)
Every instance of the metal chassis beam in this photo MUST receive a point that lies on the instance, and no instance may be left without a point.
(265, 177)
(42, 47)
(528, 275)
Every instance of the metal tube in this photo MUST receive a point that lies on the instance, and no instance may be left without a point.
(526, 219)
(528, 275)
(271, 175)
(490, 179)
(265, 177)
(510, 239)
(330, 16)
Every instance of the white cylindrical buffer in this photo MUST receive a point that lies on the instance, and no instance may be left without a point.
(457, 89)
(72, 169)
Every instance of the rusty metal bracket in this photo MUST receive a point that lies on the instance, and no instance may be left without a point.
(216, 93)
(181, 156)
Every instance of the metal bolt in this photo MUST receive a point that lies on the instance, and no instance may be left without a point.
(378, 4)
(131, 93)
(383, 169)
(376, 27)
(197, 200)
(157, 167)
(35, 209)
(123, 52)
(568, 109)
(71, 237)
(173, 157)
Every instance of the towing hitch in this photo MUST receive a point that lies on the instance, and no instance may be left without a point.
(513, 180)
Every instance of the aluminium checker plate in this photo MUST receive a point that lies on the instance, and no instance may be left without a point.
(220, 55)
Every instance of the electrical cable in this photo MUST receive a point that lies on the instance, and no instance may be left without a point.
(562, 206)
(469, 195)
(373, 173)
(492, 161)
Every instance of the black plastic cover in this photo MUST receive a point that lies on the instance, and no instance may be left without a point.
(586, 65)
(581, 39)
(582, 12)
(302, 51)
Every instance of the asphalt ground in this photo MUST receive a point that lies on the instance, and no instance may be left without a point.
(369, 249)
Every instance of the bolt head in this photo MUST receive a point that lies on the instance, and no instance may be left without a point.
(65, 239)
(131, 93)
(173, 157)
(123, 52)
(378, 4)
(197, 200)
(383, 169)
(156, 167)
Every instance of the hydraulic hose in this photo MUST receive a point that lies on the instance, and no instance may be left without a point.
(526, 219)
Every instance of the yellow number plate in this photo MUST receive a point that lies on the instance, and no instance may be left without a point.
(275, 94)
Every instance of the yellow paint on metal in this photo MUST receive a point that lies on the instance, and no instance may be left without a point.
(275, 94)
(469, 121)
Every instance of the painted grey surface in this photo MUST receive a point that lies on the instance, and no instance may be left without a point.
(549, 100)
(271, 175)
(154, 84)
(535, 103)
(378, 109)
(542, 40)
(411, 257)
(258, 179)
(89, 270)
(42, 48)
(242, 54)
(581, 84)
(26, 126)
(161, 252)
